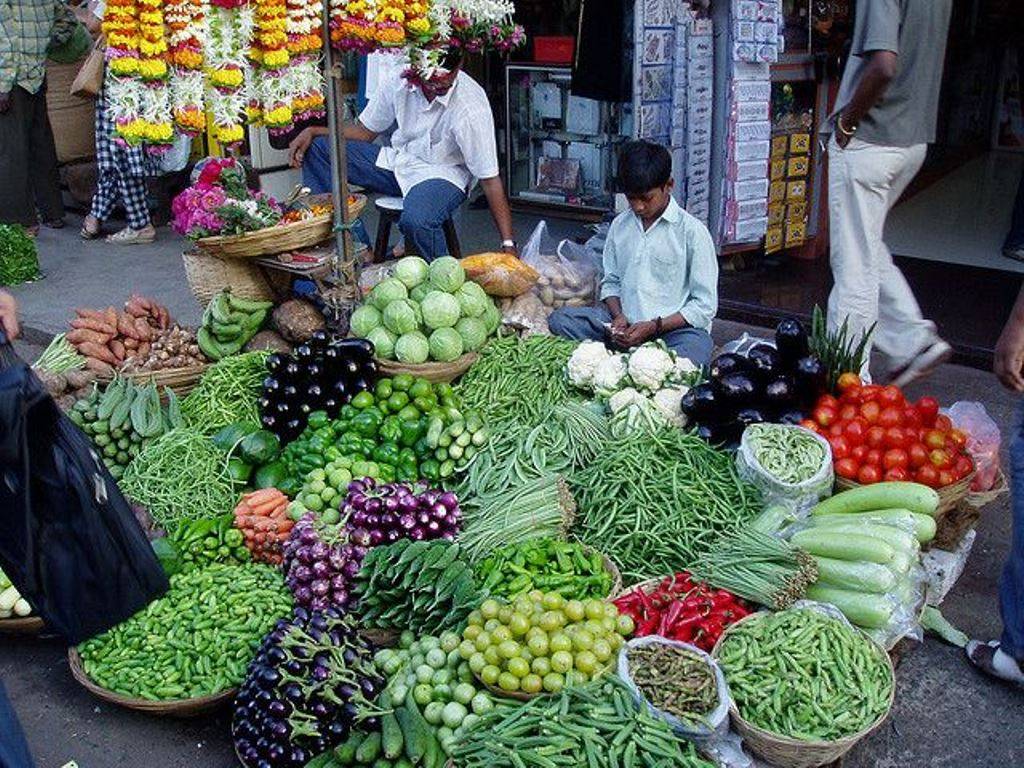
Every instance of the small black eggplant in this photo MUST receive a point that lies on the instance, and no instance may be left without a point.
(276, 362)
(314, 371)
(290, 392)
(701, 404)
(314, 392)
(303, 353)
(811, 377)
(294, 371)
(271, 384)
(727, 364)
(269, 421)
(780, 392)
(793, 416)
(720, 434)
(319, 339)
(360, 349)
(737, 390)
(748, 416)
(765, 360)
(791, 341)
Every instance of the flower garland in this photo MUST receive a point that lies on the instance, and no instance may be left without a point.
(230, 25)
(269, 98)
(186, 23)
(366, 25)
(476, 25)
(122, 89)
(305, 78)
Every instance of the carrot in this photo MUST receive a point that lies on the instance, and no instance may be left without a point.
(97, 351)
(284, 526)
(256, 498)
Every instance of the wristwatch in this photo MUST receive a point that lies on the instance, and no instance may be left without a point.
(508, 244)
(848, 132)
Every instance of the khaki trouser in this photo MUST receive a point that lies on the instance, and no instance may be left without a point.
(864, 182)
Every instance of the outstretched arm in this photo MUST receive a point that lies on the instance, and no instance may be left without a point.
(498, 202)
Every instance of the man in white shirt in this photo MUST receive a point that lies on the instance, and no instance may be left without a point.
(443, 142)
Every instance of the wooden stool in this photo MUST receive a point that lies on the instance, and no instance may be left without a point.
(389, 209)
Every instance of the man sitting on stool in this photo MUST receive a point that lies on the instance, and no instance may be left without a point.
(660, 267)
(444, 139)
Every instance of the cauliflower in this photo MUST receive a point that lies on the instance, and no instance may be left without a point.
(584, 360)
(625, 398)
(609, 375)
(667, 404)
(684, 367)
(648, 367)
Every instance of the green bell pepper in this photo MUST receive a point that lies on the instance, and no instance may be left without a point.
(391, 429)
(411, 431)
(367, 423)
(422, 448)
(386, 453)
(425, 404)
(318, 419)
(421, 388)
(384, 389)
(363, 400)
(430, 469)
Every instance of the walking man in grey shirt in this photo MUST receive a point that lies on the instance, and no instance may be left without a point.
(884, 119)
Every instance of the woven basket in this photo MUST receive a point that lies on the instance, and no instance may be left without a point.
(433, 372)
(175, 708)
(979, 499)
(784, 752)
(22, 625)
(180, 380)
(277, 239)
(207, 276)
(965, 516)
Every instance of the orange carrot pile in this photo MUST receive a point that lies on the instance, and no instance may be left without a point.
(106, 337)
(262, 517)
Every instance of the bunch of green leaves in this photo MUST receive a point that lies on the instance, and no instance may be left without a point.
(839, 350)
(19, 261)
(424, 586)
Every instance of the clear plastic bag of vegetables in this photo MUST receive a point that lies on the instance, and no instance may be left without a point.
(568, 273)
(790, 466)
(682, 677)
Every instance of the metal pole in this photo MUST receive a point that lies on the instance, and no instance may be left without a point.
(339, 178)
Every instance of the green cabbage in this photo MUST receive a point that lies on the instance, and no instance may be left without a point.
(420, 291)
(364, 320)
(412, 348)
(400, 317)
(440, 310)
(383, 342)
(446, 274)
(473, 332)
(472, 299)
(412, 270)
(445, 344)
(386, 291)
(492, 318)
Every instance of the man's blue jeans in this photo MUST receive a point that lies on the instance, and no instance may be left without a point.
(13, 747)
(1011, 587)
(580, 323)
(426, 207)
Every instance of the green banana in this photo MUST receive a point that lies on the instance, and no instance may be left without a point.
(220, 309)
(248, 306)
(210, 346)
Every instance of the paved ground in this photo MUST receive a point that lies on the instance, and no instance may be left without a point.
(946, 715)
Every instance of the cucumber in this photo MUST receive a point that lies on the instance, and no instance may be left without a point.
(912, 496)
(860, 577)
(867, 611)
(414, 729)
(923, 526)
(346, 753)
(369, 750)
(391, 736)
(844, 546)
(891, 535)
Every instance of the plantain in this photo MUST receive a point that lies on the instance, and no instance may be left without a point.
(220, 309)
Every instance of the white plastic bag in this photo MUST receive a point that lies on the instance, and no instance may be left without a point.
(714, 737)
(176, 158)
(743, 344)
(796, 498)
(569, 273)
(983, 440)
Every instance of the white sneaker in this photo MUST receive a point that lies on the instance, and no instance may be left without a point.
(923, 363)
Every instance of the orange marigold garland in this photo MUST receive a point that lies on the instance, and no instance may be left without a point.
(269, 98)
(186, 41)
(305, 78)
(230, 28)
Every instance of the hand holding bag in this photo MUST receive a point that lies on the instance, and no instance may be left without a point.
(89, 80)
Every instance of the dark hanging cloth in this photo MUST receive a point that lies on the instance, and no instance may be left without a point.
(603, 68)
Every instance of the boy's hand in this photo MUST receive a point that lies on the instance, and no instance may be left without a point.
(637, 333)
(619, 324)
(1009, 357)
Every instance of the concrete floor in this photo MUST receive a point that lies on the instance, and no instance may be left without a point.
(946, 715)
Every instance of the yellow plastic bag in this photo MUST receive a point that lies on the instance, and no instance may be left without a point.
(500, 274)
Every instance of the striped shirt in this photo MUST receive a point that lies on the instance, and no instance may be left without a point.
(27, 27)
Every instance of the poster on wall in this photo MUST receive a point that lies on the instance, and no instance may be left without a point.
(1008, 132)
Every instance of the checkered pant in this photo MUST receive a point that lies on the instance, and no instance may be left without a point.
(122, 174)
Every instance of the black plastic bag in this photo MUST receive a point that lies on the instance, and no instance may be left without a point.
(69, 541)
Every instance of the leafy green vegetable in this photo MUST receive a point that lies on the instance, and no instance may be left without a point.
(400, 317)
(473, 332)
(383, 342)
(19, 261)
(440, 310)
(473, 301)
(386, 291)
(412, 270)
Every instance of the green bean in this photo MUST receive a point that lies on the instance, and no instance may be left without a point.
(791, 455)
(773, 666)
(227, 393)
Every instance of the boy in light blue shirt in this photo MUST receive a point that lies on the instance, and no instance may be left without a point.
(660, 268)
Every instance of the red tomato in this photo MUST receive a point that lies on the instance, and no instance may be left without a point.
(835, 430)
(855, 431)
(895, 458)
(848, 381)
(890, 417)
(928, 407)
(895, 437)
(934, 438)
(943, 422)
(848, 412)
(918, 455)
(875, 437)
(957, 439)
(824, 415)
(911, 418)
(868, 474)
(811, 425)
(859, 453)
(870, 392)
(847, 468)
(963, 467)
(840, 447)
(873, 457)
(946, 477)
(827, 401)
(927, 475)
(941, 458)
(898, 474)
(891, 396)
(870, 412)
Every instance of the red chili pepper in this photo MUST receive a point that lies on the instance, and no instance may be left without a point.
(683, 633)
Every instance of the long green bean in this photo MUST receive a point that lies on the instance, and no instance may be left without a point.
(227, 393)
(803, 674)
(655, 501)
(791, 455)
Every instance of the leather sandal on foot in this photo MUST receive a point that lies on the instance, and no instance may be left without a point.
(129, 236)
(990, 659)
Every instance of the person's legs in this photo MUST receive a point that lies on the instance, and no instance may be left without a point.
(1013, 246)
(43, 159)
(579, 323)
(133, 198)
(426, 207)
(14, 752)
(692, 343)
(16, 204)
